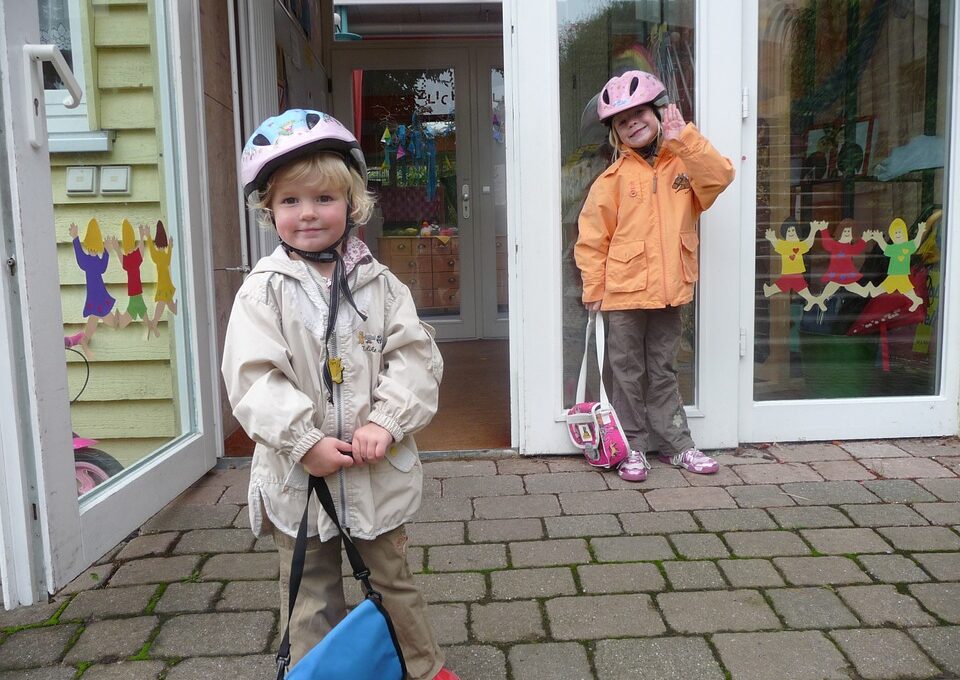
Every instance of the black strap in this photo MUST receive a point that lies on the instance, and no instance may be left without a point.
(360, 572)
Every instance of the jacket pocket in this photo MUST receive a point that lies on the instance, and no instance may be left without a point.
(626, 267)
(690, 263)
(403, 454)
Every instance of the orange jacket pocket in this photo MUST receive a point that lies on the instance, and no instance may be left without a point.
(626, 267)
(689, 241)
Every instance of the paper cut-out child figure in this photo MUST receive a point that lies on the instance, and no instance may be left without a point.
(93, 260)
(899, 252)
(161, 252)
(791, 250)
(130, 254)
(841, 270)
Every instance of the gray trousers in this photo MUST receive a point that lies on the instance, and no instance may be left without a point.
(321, 605)
(642, 346)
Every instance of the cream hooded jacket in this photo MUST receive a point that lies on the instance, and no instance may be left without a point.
(272, 370)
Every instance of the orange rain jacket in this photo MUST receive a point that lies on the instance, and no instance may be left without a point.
(637, 247)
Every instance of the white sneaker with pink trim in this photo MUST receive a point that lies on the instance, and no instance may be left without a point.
(692, 460)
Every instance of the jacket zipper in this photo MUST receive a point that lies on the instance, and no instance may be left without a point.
(656, 205)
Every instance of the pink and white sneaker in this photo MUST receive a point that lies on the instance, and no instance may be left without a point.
(692, 460)
(634, 468)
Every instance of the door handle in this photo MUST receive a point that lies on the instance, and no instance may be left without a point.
(465, 196)
(33, 58)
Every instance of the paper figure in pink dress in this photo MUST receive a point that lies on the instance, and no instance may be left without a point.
(161, 252)
(842, 271)
(93, 259)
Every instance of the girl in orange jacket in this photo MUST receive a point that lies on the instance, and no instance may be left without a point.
(637, 255)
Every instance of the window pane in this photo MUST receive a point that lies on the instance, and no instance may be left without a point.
(851, 144)
(600, 39)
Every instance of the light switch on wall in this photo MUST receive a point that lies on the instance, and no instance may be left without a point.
(81, 180)
(115, 179)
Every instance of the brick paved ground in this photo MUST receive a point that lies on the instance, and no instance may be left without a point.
(796, 561)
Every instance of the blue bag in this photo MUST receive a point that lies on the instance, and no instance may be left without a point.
(364, 645)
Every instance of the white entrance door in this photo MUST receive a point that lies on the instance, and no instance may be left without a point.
(426, 122)
(104, 231)
(845, 301)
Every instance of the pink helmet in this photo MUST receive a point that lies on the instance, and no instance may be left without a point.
(289, 135)
(626, 91)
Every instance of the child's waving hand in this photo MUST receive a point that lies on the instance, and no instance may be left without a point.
(672, 122)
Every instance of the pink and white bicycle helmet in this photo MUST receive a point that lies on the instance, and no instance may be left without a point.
(626, 91)
(292, 134)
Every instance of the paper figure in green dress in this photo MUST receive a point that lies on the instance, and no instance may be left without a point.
(899, 253)
(130, 254)
(161, 252)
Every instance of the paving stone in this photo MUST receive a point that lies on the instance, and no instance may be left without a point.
(942, 645)
(765, 543)
(807, 453)
(114, 639)
(882, 605)
(248, 595)
(750, 573)
(631, 549)
(94, 577)
(939, 513)
(906, 468)
(25, 616)
(155, 570)
(811, 608)
(879, 654)
(225, 633)
(780, 473)
(36, 646)
(582, 525)
(467, 557)
(416, 558)
(477, 662)
(829, 493)
(108, 602)
(516, 506)
(889, 514)
(434, 533)
(620, 578)
(207, 494)
(48, 673)
(234, 473)
(499, 530)
(241, 567)
(699, 546)
(874, 449)
(432, 488)
(597, 502)
(238, 494)
(521, 466)
(253, 667)
(603, 616)
(550, 660)
(835, 470)
(474, 487)
(446, 509)
(760, 496)
(215, 541)
(942, 566)
(668, 658)
(449, 622)
(549, 553)
(806, 655)
(921, 538)
(893, 568)
(143, 546)
(242, 521)
(690, 498)
(943, 599)
(734, 520)
(456, 587)
(657, 522)
(930, 446)
(817, 571)
(189, 597)
(125, 670)
(723, 477)
(518, 621)
(944, 489)
(459, 468)
(559, 482)
(712, 611)
(696, 575)
(845, 541)
(185, 518)
(810, 517)
(573, 463)
(899, 491)
(514, 584)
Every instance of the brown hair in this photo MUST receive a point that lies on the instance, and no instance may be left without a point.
(160, 240)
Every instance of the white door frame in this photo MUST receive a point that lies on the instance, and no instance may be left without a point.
(533, 179)
(824, 419)
(73, 534)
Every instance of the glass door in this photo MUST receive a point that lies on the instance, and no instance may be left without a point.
(849, 242)
(107, 230)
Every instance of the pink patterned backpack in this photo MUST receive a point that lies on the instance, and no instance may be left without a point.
(593, 425)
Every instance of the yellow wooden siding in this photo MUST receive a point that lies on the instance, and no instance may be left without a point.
(144, 188)
(126, 67)
(124, 344)
(72, 299)
(121, 26)
(110, 216)
(123, 419)
(111, 4)
(129, 381)
(125, 109)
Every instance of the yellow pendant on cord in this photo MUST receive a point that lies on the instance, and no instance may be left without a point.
(336, 369)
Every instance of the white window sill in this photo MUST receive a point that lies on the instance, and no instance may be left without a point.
(78, 142)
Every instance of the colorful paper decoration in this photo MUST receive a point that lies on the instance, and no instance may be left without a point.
(161, 252)
(129, 252)
(899, 253)
(791, 250)
(93, 259)
(842, 271)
